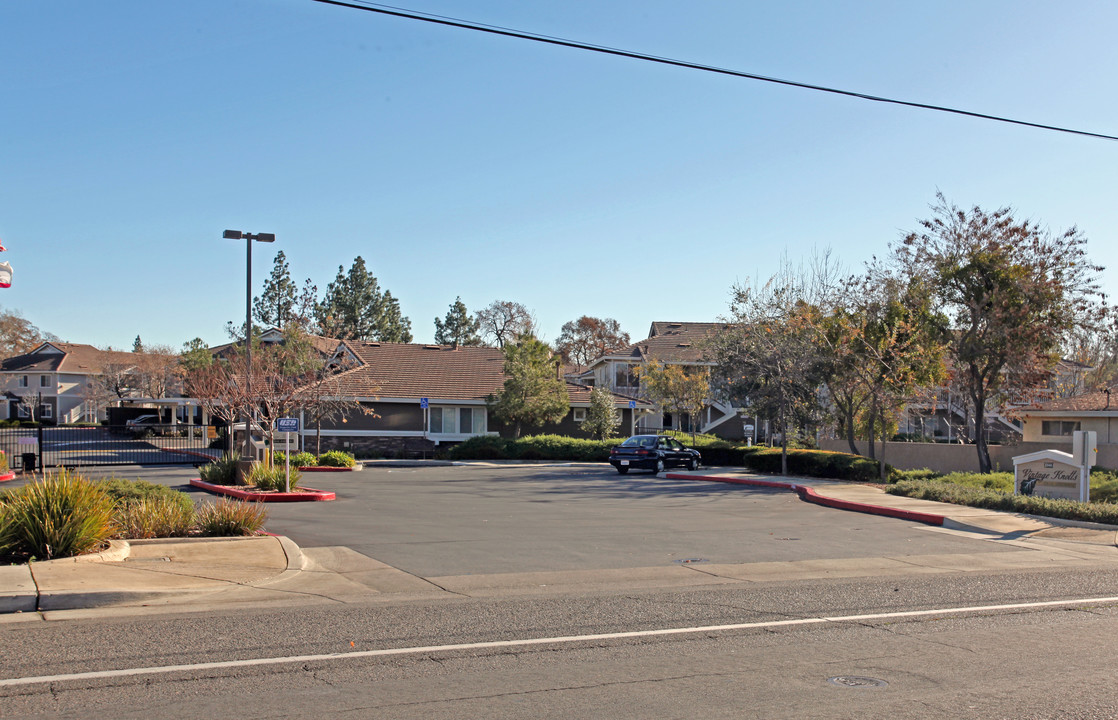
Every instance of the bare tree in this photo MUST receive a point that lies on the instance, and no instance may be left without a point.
(503, 321)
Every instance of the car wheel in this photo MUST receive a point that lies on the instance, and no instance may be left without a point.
(693, 464)
(622, 470)
(659, 465)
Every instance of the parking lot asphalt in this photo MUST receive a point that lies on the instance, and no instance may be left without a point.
(400, 533)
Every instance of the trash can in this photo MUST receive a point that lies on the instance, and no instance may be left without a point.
(29, 460)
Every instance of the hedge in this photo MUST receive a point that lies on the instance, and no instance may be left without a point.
(811, 463)
(1100, 512)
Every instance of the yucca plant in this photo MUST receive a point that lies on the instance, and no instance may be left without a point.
(60, 515)
(227, 518)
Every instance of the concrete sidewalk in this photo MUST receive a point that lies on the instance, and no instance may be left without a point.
(195, 574)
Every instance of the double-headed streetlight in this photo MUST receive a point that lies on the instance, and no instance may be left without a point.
(249, 237)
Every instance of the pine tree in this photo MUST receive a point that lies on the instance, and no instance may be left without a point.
(458, 329)
(355, 308)
(602, 418)
(533, 393)
(137, 345)
(275, 307)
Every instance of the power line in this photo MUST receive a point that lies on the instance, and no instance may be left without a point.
(550, 40)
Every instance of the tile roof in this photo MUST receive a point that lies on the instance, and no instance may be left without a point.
(400, 370)
(74, 358)
(673, 342)
(1088, 402)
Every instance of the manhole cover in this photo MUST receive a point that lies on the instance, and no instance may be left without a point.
(690, 561)
(857, 681)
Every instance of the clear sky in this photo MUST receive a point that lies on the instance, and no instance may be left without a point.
(462, 164)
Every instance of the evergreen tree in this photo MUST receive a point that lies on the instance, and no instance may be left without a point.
(533, 393)
(275, 307)
(355, 308)
(602, 418)
(137, 345)
(458, 329)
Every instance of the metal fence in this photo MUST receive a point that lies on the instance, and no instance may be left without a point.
(56, 447)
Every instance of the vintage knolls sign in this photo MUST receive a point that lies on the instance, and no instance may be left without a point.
(1056, 474)
(1048, 473)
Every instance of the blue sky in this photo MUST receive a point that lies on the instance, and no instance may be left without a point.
(462, 164)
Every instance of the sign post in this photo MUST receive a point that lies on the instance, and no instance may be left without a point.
(287, 426)
(425, 405)
(1052, 473)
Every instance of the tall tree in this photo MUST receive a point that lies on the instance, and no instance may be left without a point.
(275, 306)
(602, 418)
(137, 345)
(674, 388)
(582, 340)
(768, 356)
(458, 329)
(1010, 292)
(503, 321)
(533, 393)
(355, 308)
(18, 335)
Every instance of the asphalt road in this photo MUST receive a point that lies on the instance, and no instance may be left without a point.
(826, 647)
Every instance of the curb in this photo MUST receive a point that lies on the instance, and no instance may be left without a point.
(308, 494)
(10, 475)
(808, 494)
(327, 468)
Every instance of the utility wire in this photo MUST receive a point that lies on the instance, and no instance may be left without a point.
(507, 32)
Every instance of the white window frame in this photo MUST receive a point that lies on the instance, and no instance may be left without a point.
(455, 412)
(23, 379)
(46, 411)
(23, 411)
(44, 381)
(579, 414)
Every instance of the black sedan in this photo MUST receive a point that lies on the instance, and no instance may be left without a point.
(653, 452)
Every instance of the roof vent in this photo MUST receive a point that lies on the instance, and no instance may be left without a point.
(372, 344)
(684, 344)
(432, 347)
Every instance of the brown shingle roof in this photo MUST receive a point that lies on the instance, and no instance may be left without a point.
(74, 358)
(673, 342)
(398, 370)
(1088, 402)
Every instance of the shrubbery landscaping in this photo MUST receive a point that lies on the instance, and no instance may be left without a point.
(65, 514)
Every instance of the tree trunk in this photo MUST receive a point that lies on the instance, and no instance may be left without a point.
(783, 438)
(850, 432)
(984, 464)
(884, 477)
(872, 430)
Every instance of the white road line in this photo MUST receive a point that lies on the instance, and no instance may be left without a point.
(357, 654)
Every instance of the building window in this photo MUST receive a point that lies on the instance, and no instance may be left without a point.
(23, 411)
(580, 414)
(623, 376)
(456, 421)
(44, 381)
(45, 411)
(1058, 427)
(23, 381)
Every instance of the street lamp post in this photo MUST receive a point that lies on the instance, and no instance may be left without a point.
(249, 238)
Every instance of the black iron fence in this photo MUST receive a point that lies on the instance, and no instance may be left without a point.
(47, 447)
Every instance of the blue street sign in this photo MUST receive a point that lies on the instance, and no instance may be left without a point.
(423, 403)
(287, 425)
(632, 403)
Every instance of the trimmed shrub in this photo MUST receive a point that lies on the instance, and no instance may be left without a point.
(4, 467)
(133, 491)
(1100, 512)
(62, 514)
(220, 472)
(272, 478)
(482, 447)
(336, 458)
(229, 518)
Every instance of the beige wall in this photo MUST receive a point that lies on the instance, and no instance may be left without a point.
(1106, 427)
(945, 458)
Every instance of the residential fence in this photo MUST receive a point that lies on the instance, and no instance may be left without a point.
(945, 457)
(47, 447)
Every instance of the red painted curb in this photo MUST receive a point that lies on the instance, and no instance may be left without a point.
(10, 475)
(808, 494)
(326, 468)
(308, 494)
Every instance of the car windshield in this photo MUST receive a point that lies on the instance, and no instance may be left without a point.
(643, 441)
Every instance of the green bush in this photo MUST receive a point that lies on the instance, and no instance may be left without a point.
(62, 514)
(336, 458)
(4, 467)
(272, 478)
(1100, 512)
(482, 447)
(220, 472)
(228, 518)
(132, 491)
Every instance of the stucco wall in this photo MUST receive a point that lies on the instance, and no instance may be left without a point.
(945, 458)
